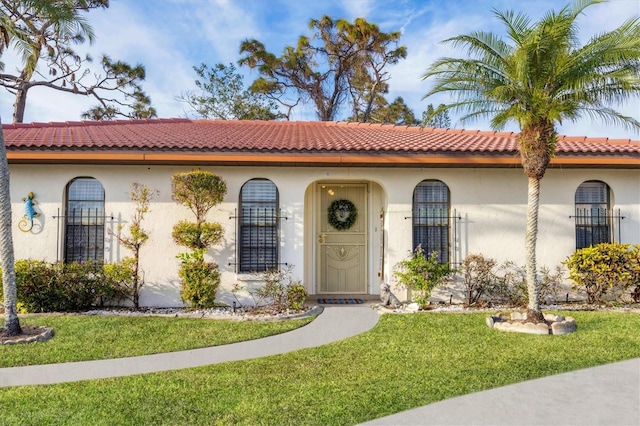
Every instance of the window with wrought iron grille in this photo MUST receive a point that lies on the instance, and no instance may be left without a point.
(593, 215)
(258, 233)
(432, 219)
(84, 221)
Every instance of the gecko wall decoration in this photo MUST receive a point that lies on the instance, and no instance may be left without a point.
(26, 223)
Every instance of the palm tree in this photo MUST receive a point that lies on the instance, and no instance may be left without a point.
(10, 33)
(537, 78)
(11, 323)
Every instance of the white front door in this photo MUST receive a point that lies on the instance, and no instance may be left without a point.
(342, 238)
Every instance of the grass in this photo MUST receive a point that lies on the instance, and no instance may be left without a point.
(404, 362)
(83, 338)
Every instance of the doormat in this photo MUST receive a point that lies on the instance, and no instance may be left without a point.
(340, 301)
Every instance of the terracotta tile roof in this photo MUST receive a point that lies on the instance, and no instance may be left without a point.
(194, 136)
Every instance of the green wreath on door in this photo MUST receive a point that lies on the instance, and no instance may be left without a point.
(342, 214)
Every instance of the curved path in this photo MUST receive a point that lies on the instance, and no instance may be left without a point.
(605, 395)
(335, 323)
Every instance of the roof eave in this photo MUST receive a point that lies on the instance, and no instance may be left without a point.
(396, 159)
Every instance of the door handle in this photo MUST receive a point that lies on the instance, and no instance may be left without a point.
(321, 238)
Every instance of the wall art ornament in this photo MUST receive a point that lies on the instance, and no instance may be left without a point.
(26, 223)
(342, 214)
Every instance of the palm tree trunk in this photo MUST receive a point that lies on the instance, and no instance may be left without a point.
(11, 322)
(533, 307)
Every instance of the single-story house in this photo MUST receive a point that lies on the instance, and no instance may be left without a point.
(342, 203)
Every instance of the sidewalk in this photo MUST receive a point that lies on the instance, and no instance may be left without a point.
(333, 324)
(606, 395)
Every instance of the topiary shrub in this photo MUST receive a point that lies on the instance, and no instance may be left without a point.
(197, 236)
(200, 279)
(199, 191)
(599, 269)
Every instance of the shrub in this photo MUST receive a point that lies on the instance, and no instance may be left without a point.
(129, 274)
(280, 293)
(603, 267)
(200, 280)
(200, 191)
(196, 235)
(511, 285)
(119, 282)
(421, 275)
(478, 277)
(59, 287)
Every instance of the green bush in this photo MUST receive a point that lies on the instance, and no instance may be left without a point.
(119, 281)
(60, 287)
(200, 280)
(421, 275)
(604, 267)
(197, 235)
(200, 191)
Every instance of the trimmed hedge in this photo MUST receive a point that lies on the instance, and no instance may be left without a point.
(59, 287)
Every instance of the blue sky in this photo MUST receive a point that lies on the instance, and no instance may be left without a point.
(169, 37)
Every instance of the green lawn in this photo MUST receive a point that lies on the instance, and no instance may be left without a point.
(82, 337)
(404, 362)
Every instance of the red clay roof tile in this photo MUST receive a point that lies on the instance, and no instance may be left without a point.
(183, 135)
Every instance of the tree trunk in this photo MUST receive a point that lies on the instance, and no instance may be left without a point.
(530, 246)
(11, 321)
(19, 105)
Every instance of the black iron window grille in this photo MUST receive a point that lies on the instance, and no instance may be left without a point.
(597, 225)
(437, 230)
(595, 221)
(433, 225)
(258, 227)
(84, 221)
(83, 233)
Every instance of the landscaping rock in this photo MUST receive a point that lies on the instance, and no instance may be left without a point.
(413, 307)
(566, 326)
(490, 322)
(518, 316)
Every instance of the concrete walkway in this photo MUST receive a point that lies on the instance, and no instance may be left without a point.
(335, 323)
(606, 395)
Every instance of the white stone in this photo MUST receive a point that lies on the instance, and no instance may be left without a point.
(413, 307)
(490, 322)
(564, 327)
(518, 316)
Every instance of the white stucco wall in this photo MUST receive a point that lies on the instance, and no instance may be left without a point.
(491, 202)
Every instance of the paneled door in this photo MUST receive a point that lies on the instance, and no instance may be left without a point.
(342, 238)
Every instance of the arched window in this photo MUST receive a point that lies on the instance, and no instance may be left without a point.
(593, 221)
(259, 242)
(84, 221)
(431, 218)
